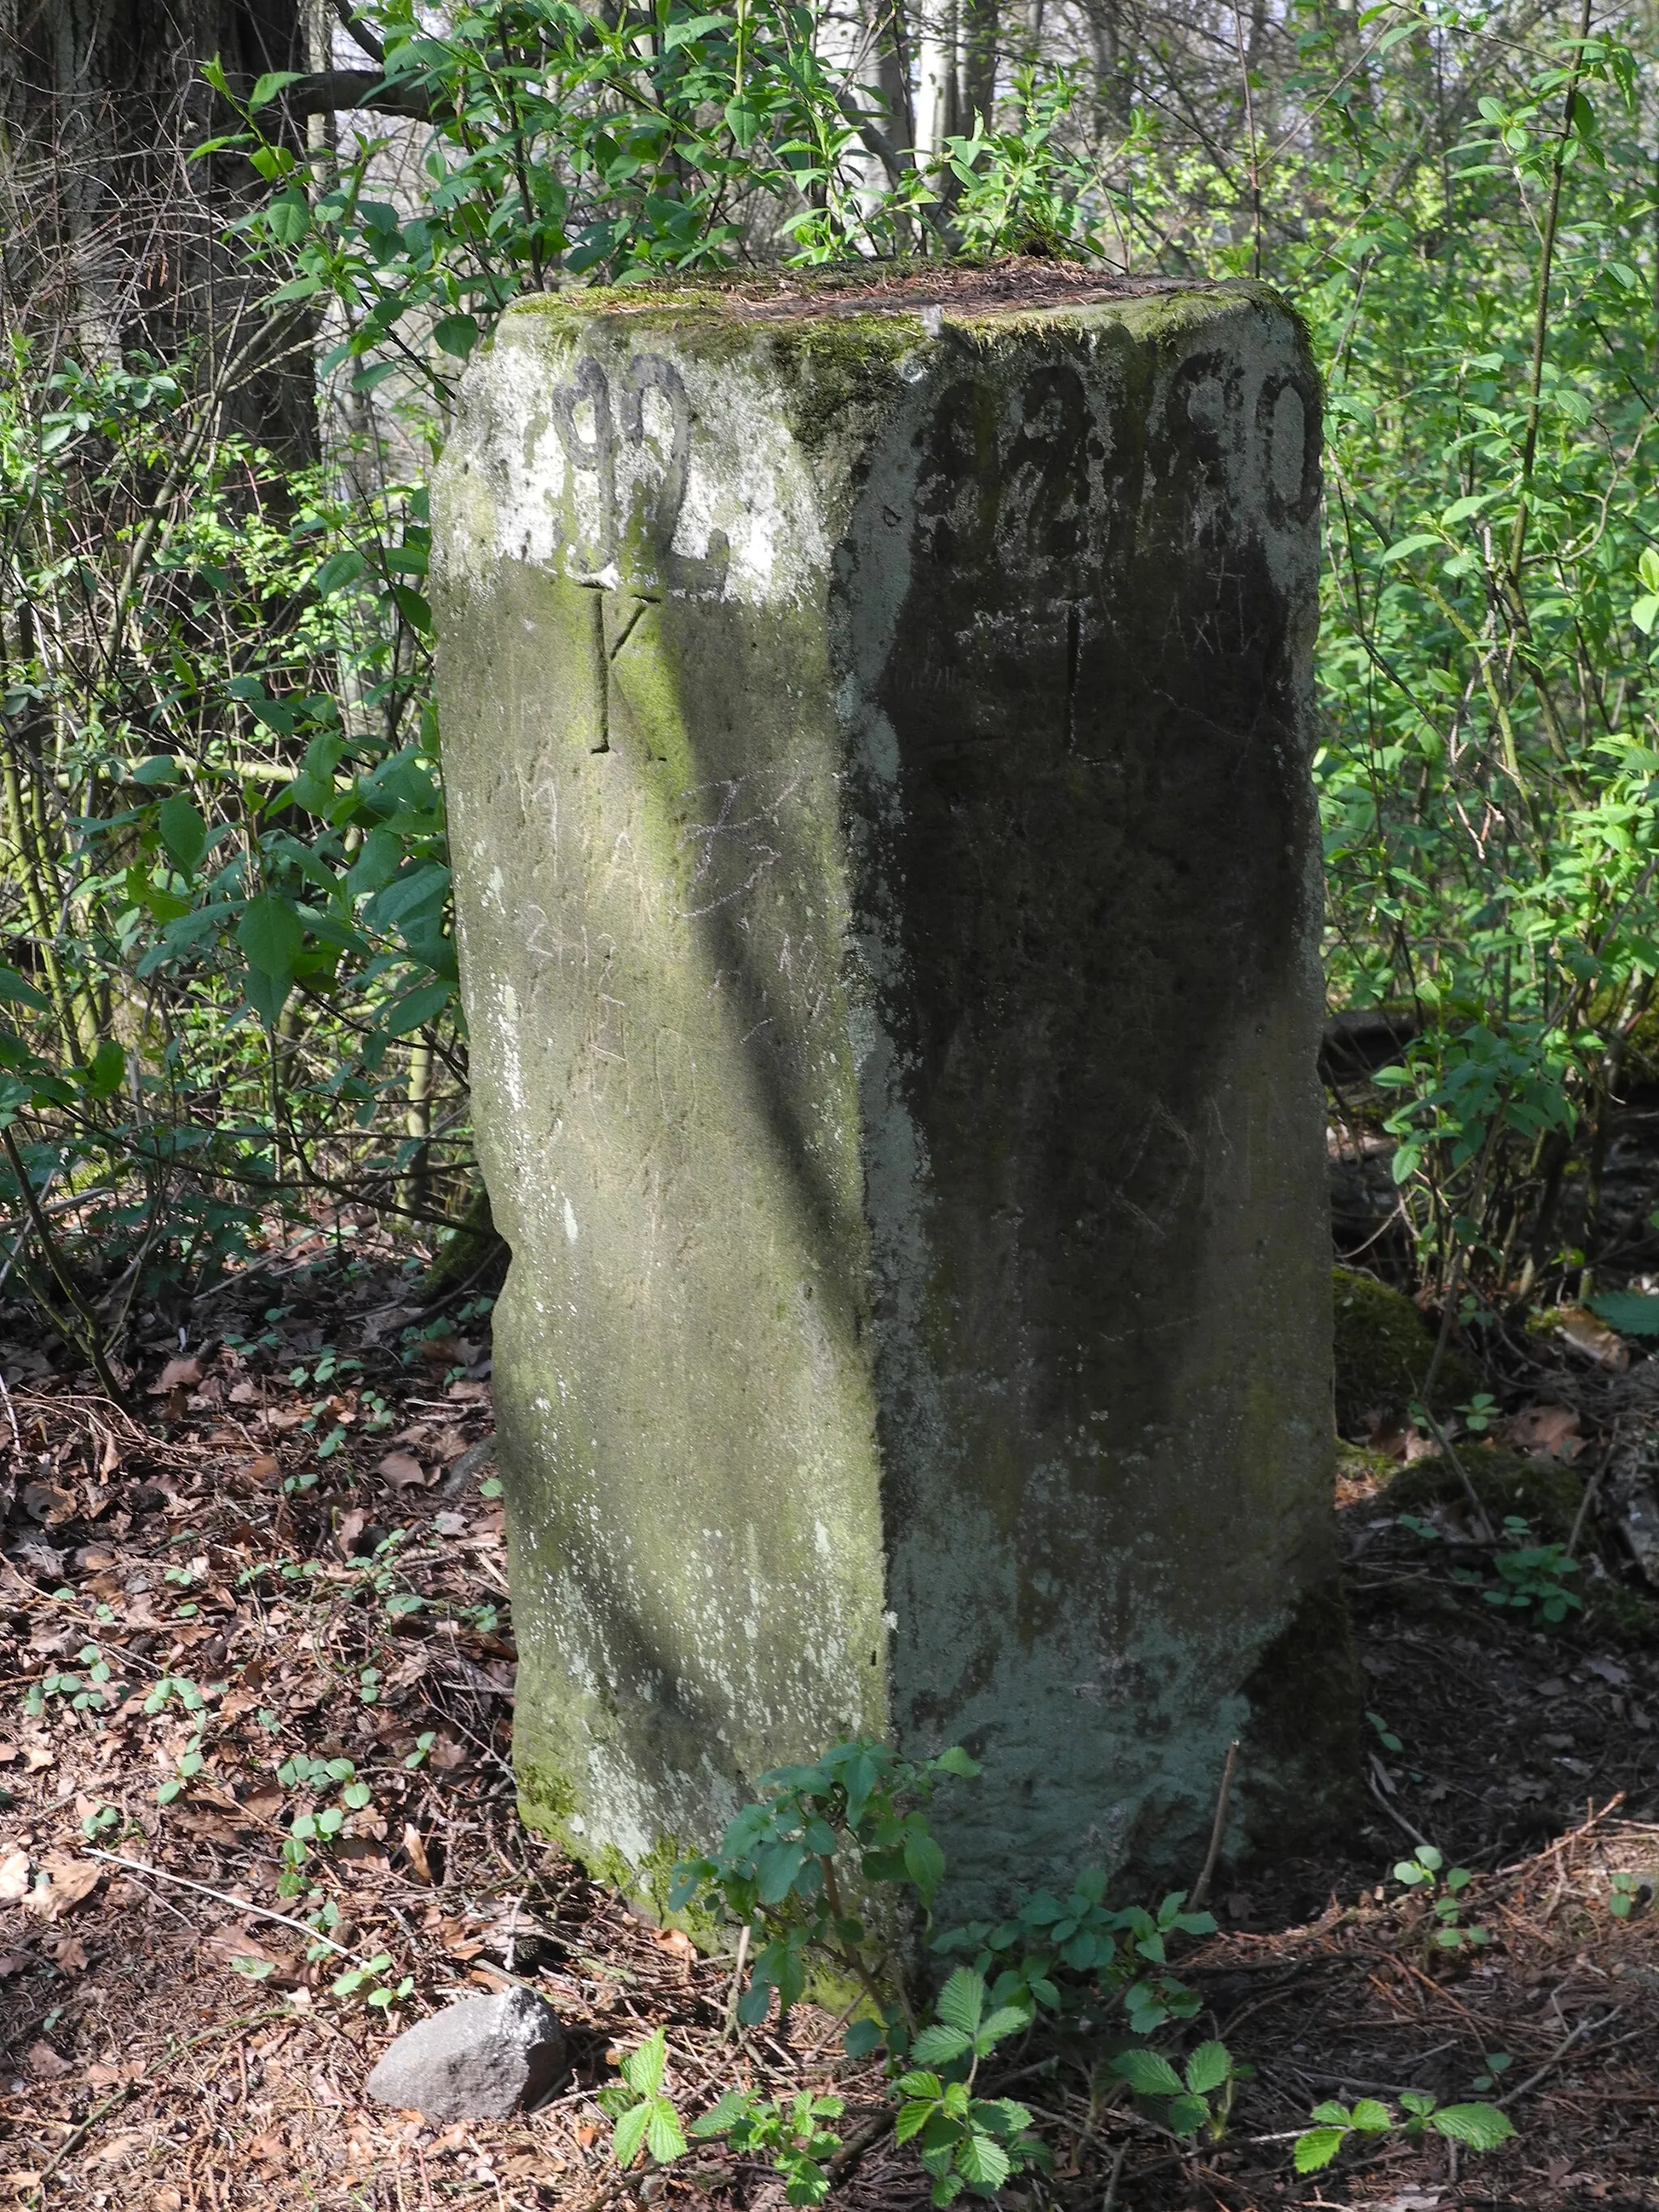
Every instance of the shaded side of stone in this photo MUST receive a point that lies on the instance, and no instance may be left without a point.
(1075, 614)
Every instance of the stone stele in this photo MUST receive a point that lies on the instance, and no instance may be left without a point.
(877, 726)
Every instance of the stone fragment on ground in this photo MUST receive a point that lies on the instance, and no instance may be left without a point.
(481, 2059)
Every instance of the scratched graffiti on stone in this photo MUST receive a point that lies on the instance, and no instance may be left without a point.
(734, 842)
(627, 494)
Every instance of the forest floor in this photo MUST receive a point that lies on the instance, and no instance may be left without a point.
(282, 1593)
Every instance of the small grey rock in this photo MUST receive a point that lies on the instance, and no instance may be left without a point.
(477, 2060)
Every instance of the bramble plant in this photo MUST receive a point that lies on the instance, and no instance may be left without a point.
(1422, 1875)
(1477, 2127)
(1200, 2097)
(780, 1872)
(788, 2134)
(1051, 1950)
(860, 1805)
(643, 2112)
(1531, 1575)
(1628, 1891)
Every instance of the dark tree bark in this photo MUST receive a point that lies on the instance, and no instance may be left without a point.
(113, 236)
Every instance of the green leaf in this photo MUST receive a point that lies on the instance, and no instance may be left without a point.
(1370, 2118)
(938, 2046)
(642, 2068)
(1482, 2127)
(266, 994)
(1632, 1313)
(183, 833)
(962, 2001)
(415, 1008)
(956, 1760)
(336, 571)
(663, 2137)
(982, 2162)
(1007, 2020)
(924, 1862)
(267, 86)
(719, 2118)
(106, 1070)
(270, 933)
(863, 2036)
(289, 217)
(1147, 2073)
(911, 2119)
(1208, 2067)
(16, 993)
(1187, 2115)
(455, 334)
(630, 2137)
(743, 120)
(1317, 2148)
(1404, 548)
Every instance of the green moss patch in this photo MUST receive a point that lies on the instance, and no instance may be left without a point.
(1383, 1350)
(1544, 1494)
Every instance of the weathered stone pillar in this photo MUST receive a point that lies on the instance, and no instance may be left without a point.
(876, 721)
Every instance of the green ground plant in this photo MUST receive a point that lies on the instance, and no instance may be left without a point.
(833, 1869)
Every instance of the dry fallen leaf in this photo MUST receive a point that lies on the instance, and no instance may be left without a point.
(402, 1472)
(1593, 1338)
(45, 1501)
(14, 1877)
(41, 2061)
(70, 1880)
(415, 1853)
(68, 1954)
(13, 1962)
(1543, 1431)
(177, 1374)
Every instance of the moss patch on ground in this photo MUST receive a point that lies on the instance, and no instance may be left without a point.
(1543, 1492)
(1383, 1350)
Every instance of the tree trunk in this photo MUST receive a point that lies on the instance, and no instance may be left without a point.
(113, 234)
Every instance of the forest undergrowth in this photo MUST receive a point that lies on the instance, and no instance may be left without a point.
(258, 1815)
